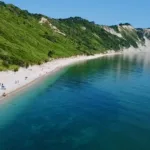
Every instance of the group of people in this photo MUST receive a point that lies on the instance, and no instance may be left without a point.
(2, 87)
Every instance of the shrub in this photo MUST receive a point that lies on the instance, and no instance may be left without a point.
(50, 53)
(39, 63)
(16, 69)
(6, 64)
(27, 65)
(46, 60)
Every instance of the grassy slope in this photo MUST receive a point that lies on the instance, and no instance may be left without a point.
(24, 41)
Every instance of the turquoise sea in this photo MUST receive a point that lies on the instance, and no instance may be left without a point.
(101, 104)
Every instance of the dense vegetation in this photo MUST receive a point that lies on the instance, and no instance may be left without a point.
(24, 41)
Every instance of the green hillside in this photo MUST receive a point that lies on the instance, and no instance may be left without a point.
(25, 39)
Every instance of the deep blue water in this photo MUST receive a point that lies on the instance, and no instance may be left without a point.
(101, 104)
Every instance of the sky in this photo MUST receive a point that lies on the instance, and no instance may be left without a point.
(106, 12)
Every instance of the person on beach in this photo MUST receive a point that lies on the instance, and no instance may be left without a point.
(4, 94)
(3, 87)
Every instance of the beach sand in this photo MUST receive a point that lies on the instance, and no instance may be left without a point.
(14, 81)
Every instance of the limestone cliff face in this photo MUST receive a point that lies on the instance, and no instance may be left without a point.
(147, 33)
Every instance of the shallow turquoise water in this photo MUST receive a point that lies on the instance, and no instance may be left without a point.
(101, 104)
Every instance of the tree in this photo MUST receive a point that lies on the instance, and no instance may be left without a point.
(2, 4)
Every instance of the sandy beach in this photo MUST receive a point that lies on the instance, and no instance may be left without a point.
(14, 81)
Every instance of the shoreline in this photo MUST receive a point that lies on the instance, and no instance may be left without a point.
(14, 92)
(18, 81)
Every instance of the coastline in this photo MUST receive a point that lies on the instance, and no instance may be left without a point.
(17, 81)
